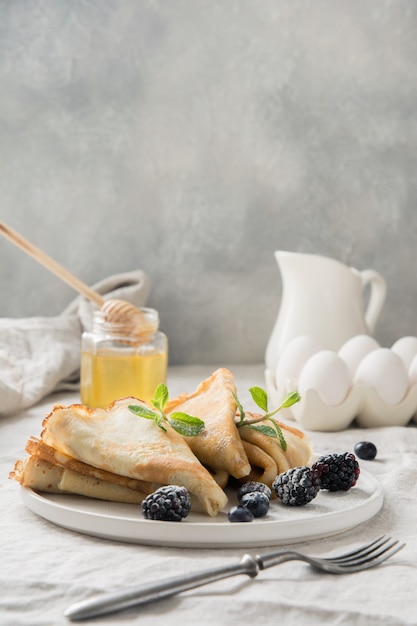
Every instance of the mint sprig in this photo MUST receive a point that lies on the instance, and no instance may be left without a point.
(183, 423)
(260, 397)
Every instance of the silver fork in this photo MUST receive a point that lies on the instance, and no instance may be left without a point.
(362, 558)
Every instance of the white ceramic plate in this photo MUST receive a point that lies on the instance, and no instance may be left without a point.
(328, 514)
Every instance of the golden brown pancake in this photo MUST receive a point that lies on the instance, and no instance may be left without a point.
(264, 468)
(113, 454)
(37, 448)
(43, 476)
(298, 453)
(218, 446)
(118, 441)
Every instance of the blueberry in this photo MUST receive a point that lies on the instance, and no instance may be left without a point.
(257, 503)
(251, 486)
(365, 450)
(240, 514)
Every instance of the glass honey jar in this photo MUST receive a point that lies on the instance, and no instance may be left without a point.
(122, 359)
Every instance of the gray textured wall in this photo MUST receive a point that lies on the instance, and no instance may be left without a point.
(192, 138)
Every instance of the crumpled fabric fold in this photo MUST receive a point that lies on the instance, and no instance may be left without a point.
(40, 355)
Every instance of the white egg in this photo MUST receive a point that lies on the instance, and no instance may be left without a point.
(412, 372)
(328, 374)
(406, 348)
(355, 349)
(293, 357)
(385, 371)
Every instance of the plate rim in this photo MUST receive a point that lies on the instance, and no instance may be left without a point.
(72, 513)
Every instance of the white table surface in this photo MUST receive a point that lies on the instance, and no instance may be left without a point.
(44, 568)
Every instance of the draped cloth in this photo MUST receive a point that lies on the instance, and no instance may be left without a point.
(40, 355)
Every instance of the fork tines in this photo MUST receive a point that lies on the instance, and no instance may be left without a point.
(373, 553)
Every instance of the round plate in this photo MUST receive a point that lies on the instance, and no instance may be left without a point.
(328, 514)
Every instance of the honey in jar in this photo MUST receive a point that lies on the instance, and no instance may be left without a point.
(119, 360)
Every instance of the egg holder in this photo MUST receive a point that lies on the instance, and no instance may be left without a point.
(362, 403)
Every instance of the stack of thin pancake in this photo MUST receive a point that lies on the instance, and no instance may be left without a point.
(112, 454)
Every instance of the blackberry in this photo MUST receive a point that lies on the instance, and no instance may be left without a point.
(365, 450)
(252, 486)
(297, 486)
(257, 502)
(240, 514)
(337, 472)
(170, 504)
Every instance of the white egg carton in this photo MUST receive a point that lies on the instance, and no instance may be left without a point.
(361, 402)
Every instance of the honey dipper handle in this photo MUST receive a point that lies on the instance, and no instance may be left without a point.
(50, 264)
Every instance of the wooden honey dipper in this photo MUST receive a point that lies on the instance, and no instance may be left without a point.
(114, 310)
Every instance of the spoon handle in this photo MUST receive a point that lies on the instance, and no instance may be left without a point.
(119, 600)
(50, 264)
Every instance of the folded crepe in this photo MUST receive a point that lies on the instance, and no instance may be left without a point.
(267, 457)
(44, 476)
(113, 454)
(218, 446)
(39, 450)
(116, 446)
(263, 466)
(41, 475)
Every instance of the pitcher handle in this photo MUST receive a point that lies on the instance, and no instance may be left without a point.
(376, 297)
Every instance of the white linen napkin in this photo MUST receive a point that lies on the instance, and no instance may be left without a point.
(39, 355)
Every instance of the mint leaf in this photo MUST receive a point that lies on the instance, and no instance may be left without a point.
(143, 412)
(239, 406)
(291, 399)
(161, 397)
(186, 424)
(159, 419)
(260, 397)
(181, 422)
(280, 434)
(264, 429)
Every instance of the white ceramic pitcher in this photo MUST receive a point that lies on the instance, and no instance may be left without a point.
(323, 298)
